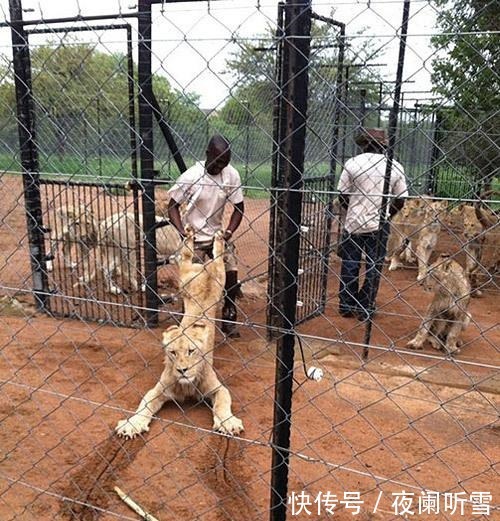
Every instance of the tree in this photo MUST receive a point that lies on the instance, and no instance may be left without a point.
(466, 75)
(253, 64)
(81, 100)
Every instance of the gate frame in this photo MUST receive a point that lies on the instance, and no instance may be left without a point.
(147, 107)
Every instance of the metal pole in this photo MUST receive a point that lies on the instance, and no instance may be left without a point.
(334, 159)
(380, 93)
(133, 159)
(247, 142)
(131, 103)
(29, 153)
(294, 104)
(274, 194)
(99, 143)
(435, 154)
(362, 93)
(346, 98)
(169, 118)
(165, 130)
(339, 88)
(393, 124)
(147, 160)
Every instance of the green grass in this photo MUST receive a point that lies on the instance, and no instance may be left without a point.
(451, 182)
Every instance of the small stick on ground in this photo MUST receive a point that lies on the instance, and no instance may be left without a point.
(134, 506)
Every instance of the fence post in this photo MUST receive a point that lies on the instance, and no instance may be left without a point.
(393, 127)
(147, 160)
(432, 180)
(275, 182)
(291, 158)
(29, 152)
(338, 107)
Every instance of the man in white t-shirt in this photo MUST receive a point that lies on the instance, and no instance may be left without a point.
(204, 190)
(361, 187)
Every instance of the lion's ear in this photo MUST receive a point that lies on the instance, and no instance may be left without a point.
(169, 334)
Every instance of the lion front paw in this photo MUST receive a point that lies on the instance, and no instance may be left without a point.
(394, 265)
(131, 427)
(414, 344)
(231, 425)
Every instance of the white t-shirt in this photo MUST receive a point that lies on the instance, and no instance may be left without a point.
(206, 196)
(363, 181)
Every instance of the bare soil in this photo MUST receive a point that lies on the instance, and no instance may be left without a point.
(398, 422)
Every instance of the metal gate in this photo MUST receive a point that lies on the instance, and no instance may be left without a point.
(93, 245)
(317, 198)
(314, 250)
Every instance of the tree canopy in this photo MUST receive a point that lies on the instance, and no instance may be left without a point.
(466, 74)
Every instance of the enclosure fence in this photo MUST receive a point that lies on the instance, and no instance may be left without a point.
(336, 354)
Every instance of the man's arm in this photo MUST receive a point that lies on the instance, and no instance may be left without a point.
(235, 220)
(174, 215)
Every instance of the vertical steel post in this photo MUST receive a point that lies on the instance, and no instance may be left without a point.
(133, 159)
(131, 104)
(362, 106)
(380, 95)
(339, 101)
(99, 142)
(292, 150)
(147, 160)
(29, 153)
(334, 159)
(432, 179)
(393, 126)
(274, 194)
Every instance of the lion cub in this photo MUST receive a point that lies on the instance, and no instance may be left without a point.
(188, 368)
(447, 315)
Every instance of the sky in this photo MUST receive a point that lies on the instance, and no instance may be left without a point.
(192, 41)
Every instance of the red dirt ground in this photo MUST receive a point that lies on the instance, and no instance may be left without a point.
(399, 422)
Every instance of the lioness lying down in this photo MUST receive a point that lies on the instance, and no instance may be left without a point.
(188, 368)
(447, 315)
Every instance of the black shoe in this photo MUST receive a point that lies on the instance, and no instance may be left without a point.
(347, 313)
(229, 318)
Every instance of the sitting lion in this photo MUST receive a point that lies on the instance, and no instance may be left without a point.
(447, 315)
(189, 347)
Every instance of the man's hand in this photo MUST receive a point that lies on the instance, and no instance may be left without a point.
(227, 235)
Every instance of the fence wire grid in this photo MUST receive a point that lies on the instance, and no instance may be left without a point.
(365, 143)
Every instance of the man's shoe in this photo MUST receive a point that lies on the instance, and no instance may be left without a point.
(229, 317)
(347, 313)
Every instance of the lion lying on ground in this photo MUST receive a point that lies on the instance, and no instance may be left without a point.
(75, 227)
(188, 368)
(447, 315)
(415, 232)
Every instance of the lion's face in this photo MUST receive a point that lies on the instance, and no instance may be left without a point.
(472, 227)
(436, 274)
(185, 351)
(78, 222)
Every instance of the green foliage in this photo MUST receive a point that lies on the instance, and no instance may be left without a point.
(253, 66)
(466, 75)
(81, 102)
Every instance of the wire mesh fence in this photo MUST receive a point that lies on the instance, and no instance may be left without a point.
(335, 353)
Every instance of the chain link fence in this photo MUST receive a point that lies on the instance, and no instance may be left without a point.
(124, 394)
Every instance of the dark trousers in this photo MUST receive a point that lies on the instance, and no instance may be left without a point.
(352, 297)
